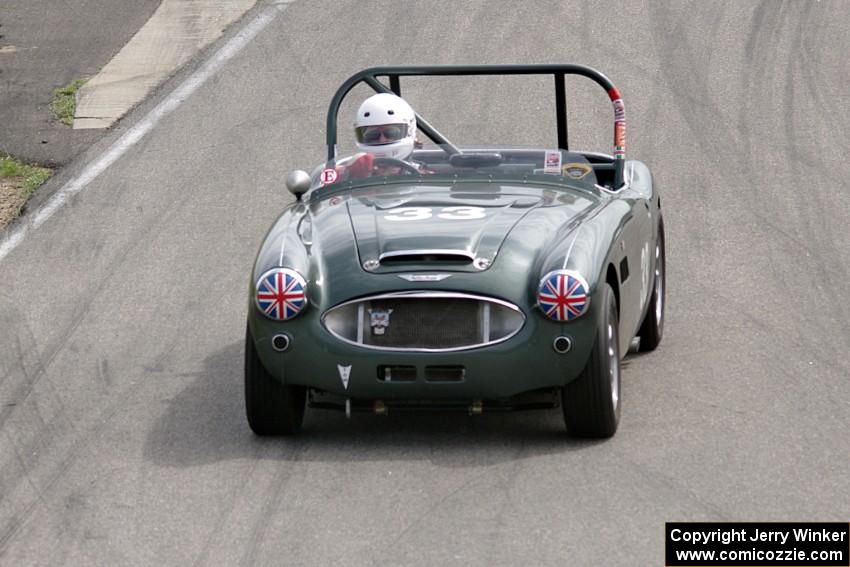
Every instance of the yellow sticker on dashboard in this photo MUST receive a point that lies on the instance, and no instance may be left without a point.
(576, 170)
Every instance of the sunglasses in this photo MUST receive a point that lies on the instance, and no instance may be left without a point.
(382, 134)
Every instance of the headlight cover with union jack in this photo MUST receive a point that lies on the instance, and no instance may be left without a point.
(281, 294)
(562, 295)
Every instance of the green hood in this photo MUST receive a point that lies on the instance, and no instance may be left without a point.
(460, 228)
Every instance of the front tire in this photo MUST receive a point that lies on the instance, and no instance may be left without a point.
(591, 402)
(652, 328)
(271, 407)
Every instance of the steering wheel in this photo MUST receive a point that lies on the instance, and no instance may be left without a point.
(393, 162)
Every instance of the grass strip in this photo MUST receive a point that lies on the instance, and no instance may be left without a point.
(65, 101)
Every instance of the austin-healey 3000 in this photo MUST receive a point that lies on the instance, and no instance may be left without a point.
(480, 278)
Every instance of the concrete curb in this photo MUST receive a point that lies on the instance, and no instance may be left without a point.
(171, 37)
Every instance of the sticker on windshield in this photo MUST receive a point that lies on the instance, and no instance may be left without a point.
(576, 170)
(552, 164)
(329, 176)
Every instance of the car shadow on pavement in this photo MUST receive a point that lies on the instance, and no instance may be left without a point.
(205, 423)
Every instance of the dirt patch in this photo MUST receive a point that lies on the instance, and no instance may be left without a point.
(12, 198)
(18, 180)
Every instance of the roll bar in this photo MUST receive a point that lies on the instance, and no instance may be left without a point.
(370, 78)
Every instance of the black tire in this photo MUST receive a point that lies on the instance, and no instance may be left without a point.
(591, 402)
(271, 407)
(652, 328)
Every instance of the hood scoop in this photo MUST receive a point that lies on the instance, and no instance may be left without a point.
(404, 257)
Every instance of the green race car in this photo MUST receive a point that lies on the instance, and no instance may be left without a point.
(471, 278)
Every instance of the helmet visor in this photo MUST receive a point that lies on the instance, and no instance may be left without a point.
(381, 134)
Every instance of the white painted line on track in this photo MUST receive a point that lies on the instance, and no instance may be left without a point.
(139, 130)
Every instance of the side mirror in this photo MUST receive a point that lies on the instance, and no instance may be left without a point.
(298, 182)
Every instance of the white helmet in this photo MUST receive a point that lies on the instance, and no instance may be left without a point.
(385, 126)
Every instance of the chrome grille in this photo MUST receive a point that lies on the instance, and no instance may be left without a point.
(424, 321)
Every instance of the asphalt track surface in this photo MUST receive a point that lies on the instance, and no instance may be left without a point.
(122, 318)
(56, 43)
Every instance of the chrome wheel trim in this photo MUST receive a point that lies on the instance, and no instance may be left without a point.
(659, 284)
(613, 366)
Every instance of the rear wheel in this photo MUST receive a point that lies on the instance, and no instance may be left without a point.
(591, 402)
(271, 407)
(652, 328)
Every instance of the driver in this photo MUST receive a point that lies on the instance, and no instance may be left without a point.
(385, 127)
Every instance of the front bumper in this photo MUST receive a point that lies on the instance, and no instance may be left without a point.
(525, 362)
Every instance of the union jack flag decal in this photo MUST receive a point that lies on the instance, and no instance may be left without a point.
(281, 294)
(563, 295)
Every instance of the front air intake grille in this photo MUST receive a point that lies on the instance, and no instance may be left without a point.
(435, 323)
(387, 373)
(424, 321)
(444, 373)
